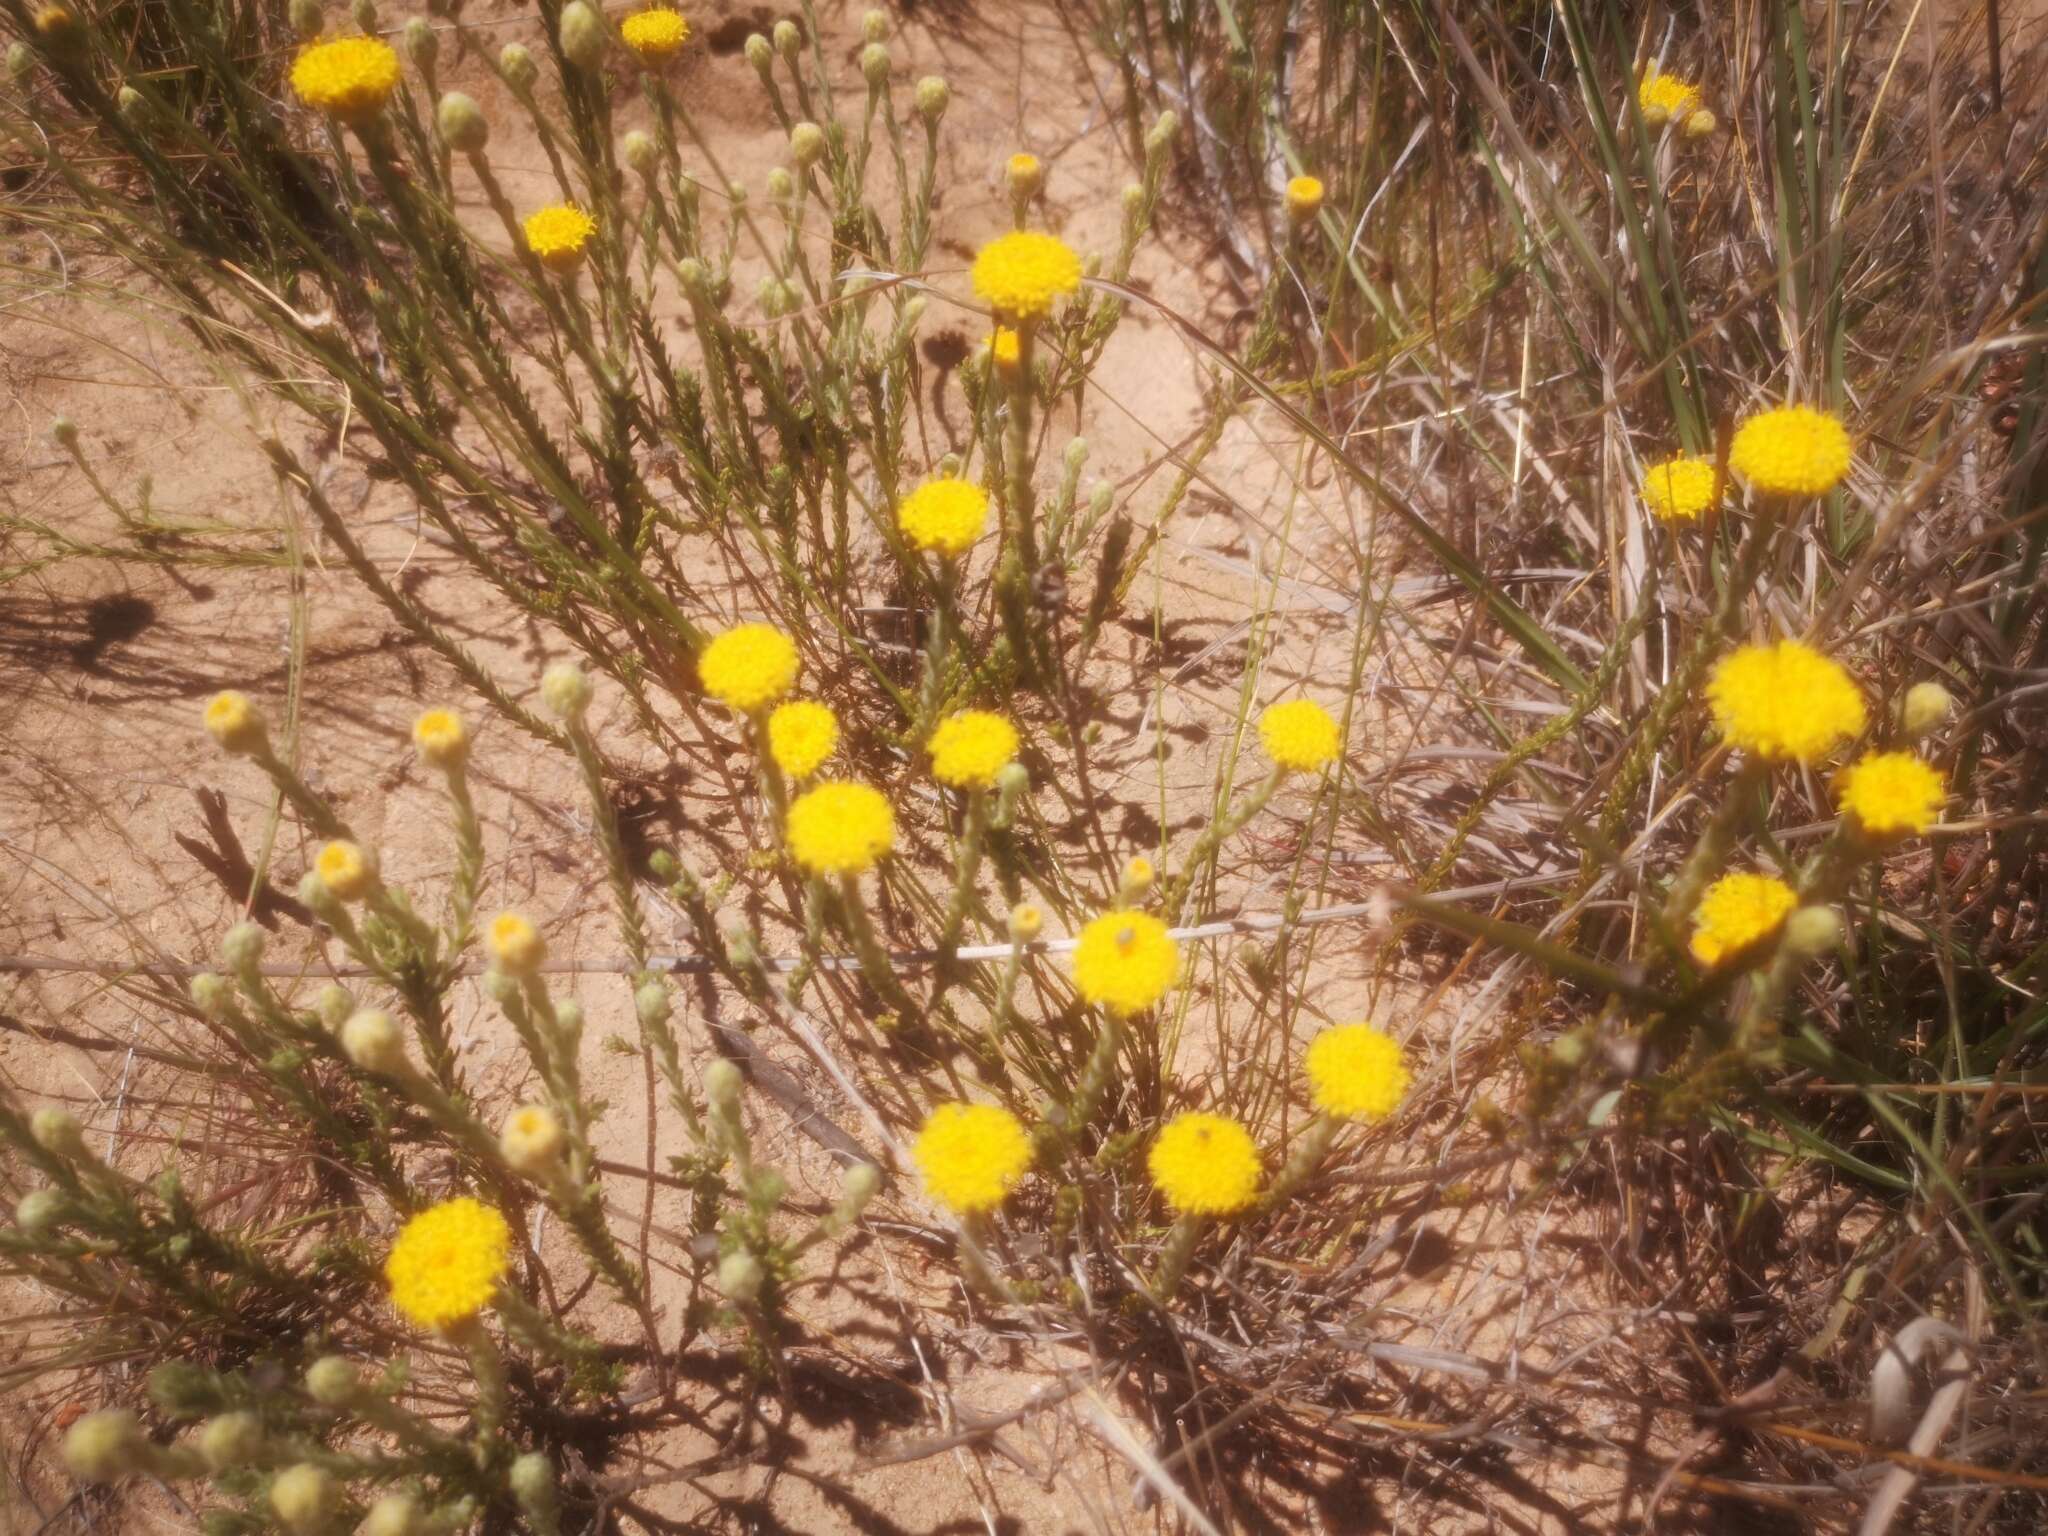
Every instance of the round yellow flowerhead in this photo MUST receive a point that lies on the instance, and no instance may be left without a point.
(557, 234)
(1356, 1072)
(441, 738)
(655, 34)
(345, 870)
(748, 668)
(970, 748)
(1784, 702)
(945, 515)
(801, 735)
(515, 945)
(1300, 736)
(971, 1156)
(1020, 274)
(1889, 794)
(1205, 1165)
(235, 723)
(1126, 961)
(1304, 198)
(445, 1266)
(1738, 911)
(1791, 451)
(350, 78)
(1679, 490)
(1663, 97)
(840, 829)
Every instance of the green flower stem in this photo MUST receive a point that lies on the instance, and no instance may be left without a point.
(1173, 1258)
(1310, 1145)
(875, 966)
(1065, 1123)
(487, 1365)
(966, 865)
(313, 810)
(542, 1335)
(469, 869)
(582, 1210)
(1019, 566)
(1203, 855)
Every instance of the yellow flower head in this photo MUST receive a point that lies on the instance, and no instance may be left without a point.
(1356, 1072)
(1891, 793)
(801, 735)
(1791, 451)
(1784, 701)
(441, 737)
(655, 34)
(748, 668)
(445, 1266)
(1663, 97)
(1021, 273)
(971, 1156)
(1126, 961)
(350, 78)
(515, 945)
(531, 1140)
(1679, 490)
(970, 748)
(1205, 1165)
(234, 722)
(840, 829)
(945, 515)
(1738, 911)
(1304, 197)
(345, 870)
(1300, 735)
(1005, 348)
(557, 235)
(1026, 175)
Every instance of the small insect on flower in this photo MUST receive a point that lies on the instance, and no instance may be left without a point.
(1793, 450)
(970, 748)
(346, 871)
(1205, 1165)
(1304, 198)
(1356, 1072)
(840, 829)
(234, 722)
(1784, 702)
(748, 667)
(1889, 794)
(1663, 97)
(447, 1261)
(1126, 961)
(655, 34)
(1737, 912)
(441, 738)
(971, 1156)
(515, 945)
(1300, 736)
(348, 78)
(1021, 274)
(1679, 490)
(558, 234)
(944, 515)
(801, 735)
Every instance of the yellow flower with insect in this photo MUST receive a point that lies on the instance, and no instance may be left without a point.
(515, 945)
(1205, 1165)
(748, 667)
(558, 234)
(441, 738)
(801, 735)
(349, 78)
(655, 34)
(1793, 450)
(1888, 794)
(1021, 274)
(1356, 1072)
(1738, 911)
(971, 1156)
(944, 515)
(1126, 961)
(1304, 198)
(234, 722)
(345, 870)
(1784, 702)
(1663, 97)
(1300, 736)
(1679, 490)
(447, 1261)
(840, 829)
(970, 748)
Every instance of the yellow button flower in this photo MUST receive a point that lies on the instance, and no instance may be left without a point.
(1679, 490)
(1892, 793)
(801, 735)
(1663, 97)
(1022, 273)
(1356, 1072)
(234, 722)
(945, 515)
(558, 234)
(1300, 736)
(515, 945)
(971, 1156)
(345, 870)
(1304, 198)
(531, 1141)
(840, 829)
(349, 78)
(655, 34)
(447, 1262)
(441, 738)
(970, 748)
(1791, 451)
(1205, 1165)
(1784, 702)
(1126, 961)
(1738, 911)
(748, 668)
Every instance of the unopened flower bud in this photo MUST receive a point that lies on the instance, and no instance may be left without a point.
(517, 66)
(104, 1446)
(722, 1086)
(740, 1277)
(781, 185)
(1925, 709)
(740, 947)
(346, 869)
(56, 23)
(501, 989)
(242, 946)
(857, 1186)
(332, 1005)
(532, 1480)
(234, 722)
(132, 104)
(1161, 133)
(1076, 455)
(565, 689)
(333, 1382)
(1026, 922)
(807, 144)
(651, 1004)
(422, 43)
(313, 893)
(531, 1141)
(1304, 198)
(760, 54)
(874, 25)
(372, 1040)
(515, 945)
(1136, 881)
(874, 65)
(39, 1210)
(933, 97)
(21, 59)
(302, 1497)
(365, 14)
(1700, 124)
(1026, 175)
(569, 1017)
(640, 152)
(308, 20)
(462, 123)
(230, 1440)
(396, 1514)
(788, 39)
(210, 993)
(1813, 931)
(581, 35)
(1133, 198)
(58, 1133)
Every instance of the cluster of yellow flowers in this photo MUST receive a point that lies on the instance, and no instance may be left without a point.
(1789, 451)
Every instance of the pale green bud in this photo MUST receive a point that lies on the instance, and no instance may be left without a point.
(462, 123)
(308, 20)
(1925, 709)
(760, 54)
(807, 144)
(767, 1186)
(104, 1446)
(1133, 197)
(333, 1004)
(651, 1003)
(1076, 455)
(365, 14)
(132, 104)
(933, 96)
(781, 185)
(532, 1480)
(422, 43)
(740, 1277)
(373, 1041)
(21, 60)
(1161, 133)
(581, 35)
(333, 1382)
(722, 1085)
(230, 1440)
(58, 1133)
(39, 1210)
(302, 1497)
(210, 993)
(690, 272)
(857, 1186)
(517, 66)
(1813, 931)
(396, 1514)
(788, 39)
(242, 946)
(874, 25)
(563, 687)
(64, 433)
(874, 65)
(640, 152)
